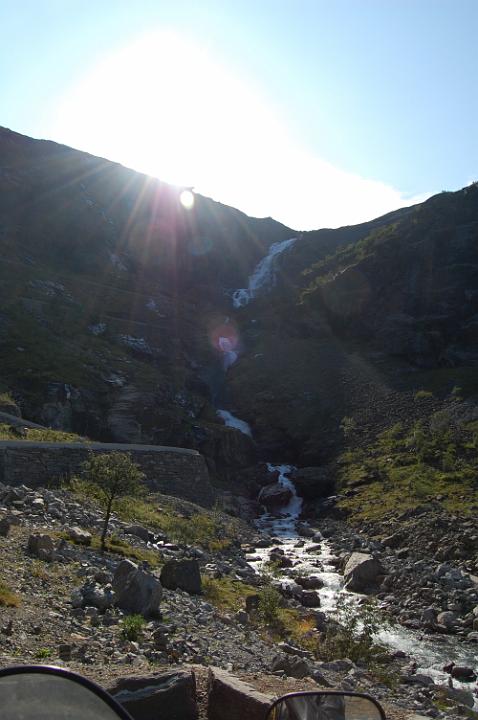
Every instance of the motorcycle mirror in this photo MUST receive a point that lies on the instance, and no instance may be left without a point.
(43, 692)
(326, 706)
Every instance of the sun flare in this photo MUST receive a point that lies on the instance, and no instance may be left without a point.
(186, 198)
(166, 107)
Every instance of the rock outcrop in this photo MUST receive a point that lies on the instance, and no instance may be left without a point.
(362, 573)
(136, 590)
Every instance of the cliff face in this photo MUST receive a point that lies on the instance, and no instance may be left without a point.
(113, 297)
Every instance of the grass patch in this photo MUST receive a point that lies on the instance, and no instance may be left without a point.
(226, 593)
(7, 597)
(422, 395)
(208, 529)
(37, 435)
(405, 467)
(277, 623)
(118, 546)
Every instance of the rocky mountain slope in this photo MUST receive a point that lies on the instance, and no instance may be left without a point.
(114, 300)
(64, 602)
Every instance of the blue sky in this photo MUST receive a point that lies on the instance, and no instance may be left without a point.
(318, 113)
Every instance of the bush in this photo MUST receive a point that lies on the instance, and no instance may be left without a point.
(133, 627)
(7, 596)
(422, 395)
(348, 426)
(43, 653)
(269, 603)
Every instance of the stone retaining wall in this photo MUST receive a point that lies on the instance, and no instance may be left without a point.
(173, 471)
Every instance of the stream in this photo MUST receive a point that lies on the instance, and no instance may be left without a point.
(314, 556)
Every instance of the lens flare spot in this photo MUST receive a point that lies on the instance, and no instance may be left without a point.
(186, 199)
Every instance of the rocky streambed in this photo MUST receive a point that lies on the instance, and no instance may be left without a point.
(429, 608)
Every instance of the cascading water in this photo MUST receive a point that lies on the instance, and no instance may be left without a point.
(263, 275)
(234, 422)
(314, 556)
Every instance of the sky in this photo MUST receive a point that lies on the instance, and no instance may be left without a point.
(317, 113)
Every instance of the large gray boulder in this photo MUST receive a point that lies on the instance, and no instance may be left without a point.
(233, 699)
(313, 482)
(79, 535)
(96, 596)
(136, 590)
(362, 573)
(292, 665)
(182, 575)
(41, 546)
(274, 495)
(169, 696)
(5, 525)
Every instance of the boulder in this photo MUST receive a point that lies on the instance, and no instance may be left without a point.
(362, 573)
(310, 582)
(310, 598)
(138, 531)
(274, 495)
(78, 535)
(136, 590)
(182, 575)
(292, 665)
(447, 619)
(252, 603)
(313, 482)
(96, 596)
(5, 525)
(41, 546)
(465, 674)
(233, 699)
(169, 696)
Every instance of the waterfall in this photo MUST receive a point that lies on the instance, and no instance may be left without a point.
(263, 275)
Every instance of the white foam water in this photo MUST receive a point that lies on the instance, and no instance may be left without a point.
(263, 275)
(234, 422)
(229, 354)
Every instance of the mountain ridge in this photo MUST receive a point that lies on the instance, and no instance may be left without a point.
(112, 290)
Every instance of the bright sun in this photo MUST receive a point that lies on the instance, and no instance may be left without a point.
(186, 198)
(163, 106)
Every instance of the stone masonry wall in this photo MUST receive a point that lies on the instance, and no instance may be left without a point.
(172, 471)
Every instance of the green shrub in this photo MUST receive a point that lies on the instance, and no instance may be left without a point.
(133, 627)
(422, 395)
(43, 653)
(348, 426)
(7, 597)
(269, 603)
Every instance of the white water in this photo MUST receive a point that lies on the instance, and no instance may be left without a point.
(234, 422)
(263, 275)
(230, 355)
(313, 557)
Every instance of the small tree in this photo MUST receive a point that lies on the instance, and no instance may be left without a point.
(115, 475)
